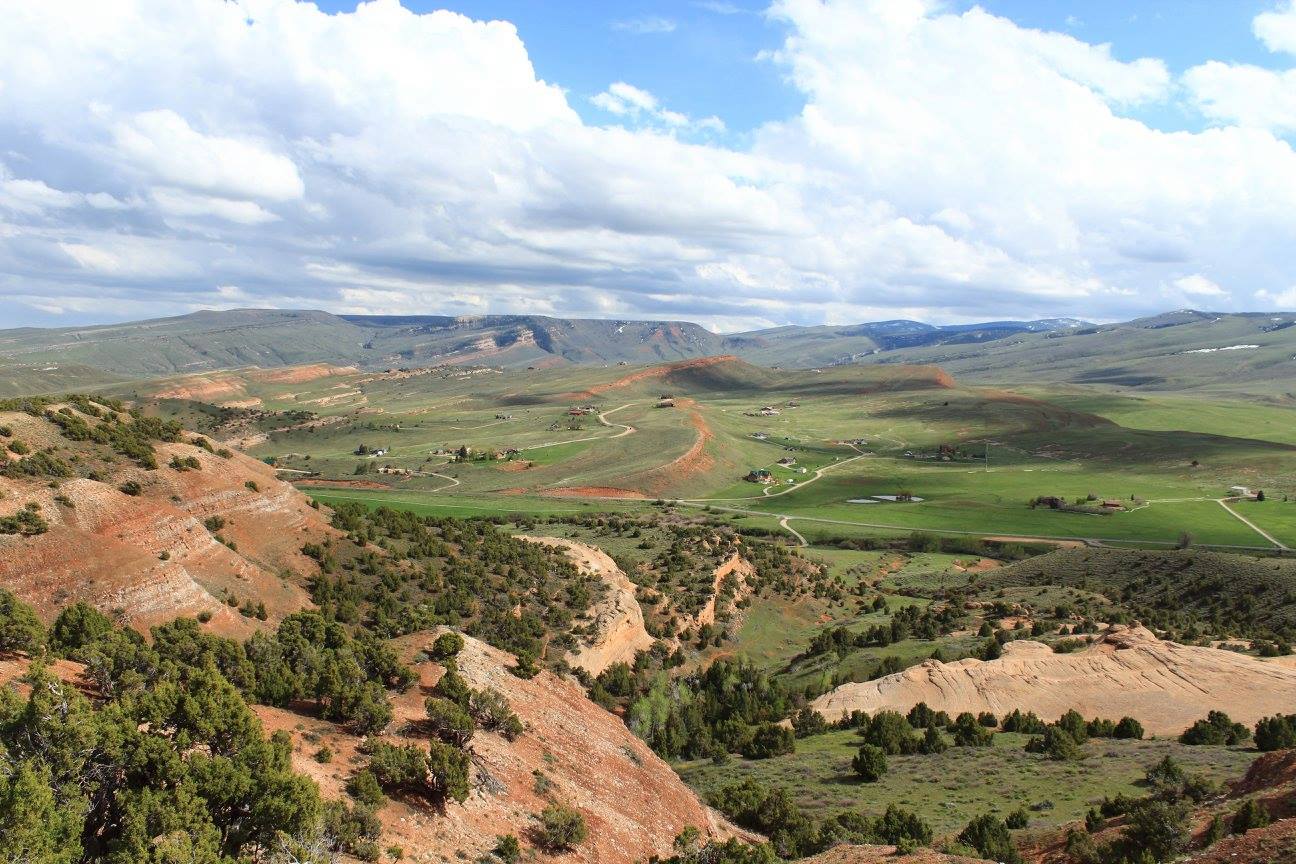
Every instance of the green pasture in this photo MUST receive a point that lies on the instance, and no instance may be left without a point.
(1256, 420)
(950, 789)
(464, 506)
(995, 502)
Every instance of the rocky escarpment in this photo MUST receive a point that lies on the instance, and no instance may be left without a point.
(1125, 672)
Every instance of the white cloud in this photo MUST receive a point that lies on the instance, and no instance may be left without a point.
(1249, 95)
(34, 196)
(164, 146)
(947, 166)
(1198, 285)
(178, 202)
(626, 100)
(1278, 299)
(645, 25)
(1244, 95)
(1277, 28)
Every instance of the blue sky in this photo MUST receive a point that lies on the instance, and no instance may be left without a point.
(702, 58)
(732, 163)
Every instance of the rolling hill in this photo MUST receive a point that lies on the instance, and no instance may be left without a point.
(1187, 350)
(50, 359)
(209, 340)
(830, 346)
(1184, 350)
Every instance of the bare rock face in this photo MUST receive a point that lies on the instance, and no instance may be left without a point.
(572, 752)
(1126, 672)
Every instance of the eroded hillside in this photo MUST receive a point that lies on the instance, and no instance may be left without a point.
(145, 521)
(1127, 672)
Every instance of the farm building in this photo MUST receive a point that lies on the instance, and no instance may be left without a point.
(787, 460)
(1240, 491)
(1113, 504)
(666, 402)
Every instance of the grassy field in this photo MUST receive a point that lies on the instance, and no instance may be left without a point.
(464, 505)
(951, 788)
(1169, 413)
(918, 433)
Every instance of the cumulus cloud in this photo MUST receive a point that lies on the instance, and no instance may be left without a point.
(1278, 299)
(1198, 285)
(1277, 28)
(626, 100)
(1249, 95)
(161, 157)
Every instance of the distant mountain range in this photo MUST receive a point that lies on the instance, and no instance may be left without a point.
(1187, 349)
(267, 337)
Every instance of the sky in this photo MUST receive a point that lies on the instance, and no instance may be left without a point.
(734, 163)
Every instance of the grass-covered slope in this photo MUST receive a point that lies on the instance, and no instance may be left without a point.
(1187, 350)
(211, 340)
(1190, 592)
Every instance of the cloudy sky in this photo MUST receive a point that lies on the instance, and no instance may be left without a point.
(735, 164)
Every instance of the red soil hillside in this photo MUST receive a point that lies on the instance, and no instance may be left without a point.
(148, 558)
(633, 803)
(724, 371)
(224, 386)
(847, 854)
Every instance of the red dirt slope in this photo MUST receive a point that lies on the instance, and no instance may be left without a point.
(846, 854)
(632, 801)
(663, 371)
(149, 558)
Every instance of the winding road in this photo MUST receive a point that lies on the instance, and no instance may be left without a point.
(626, 429)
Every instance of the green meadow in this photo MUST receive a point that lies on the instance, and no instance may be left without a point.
(953, 787)
(975, 456)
